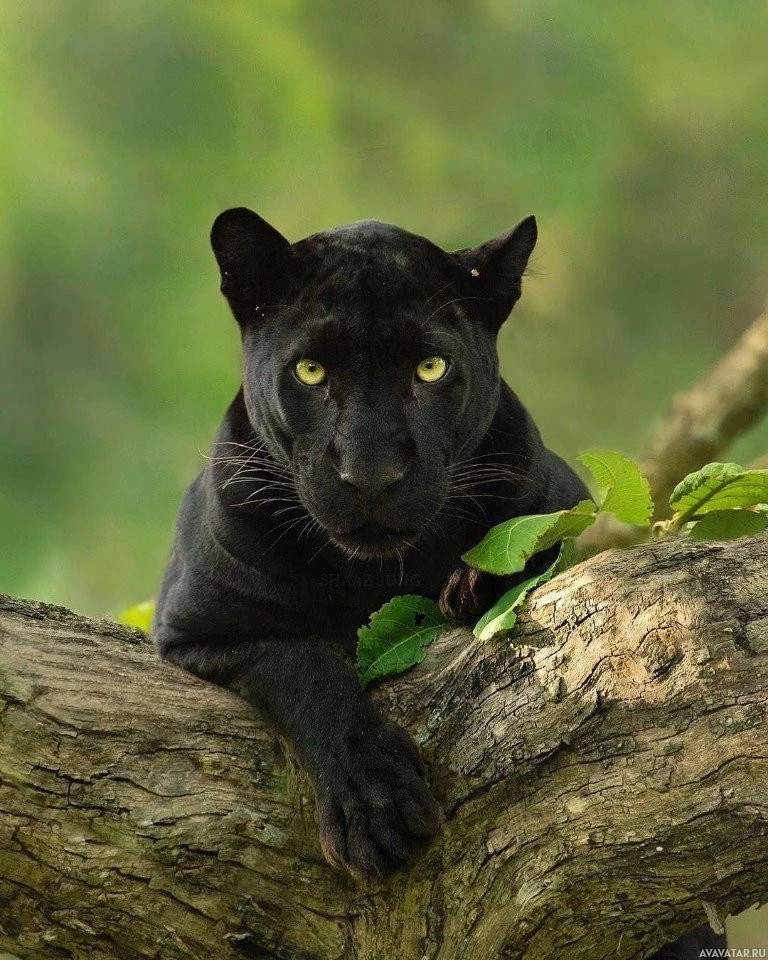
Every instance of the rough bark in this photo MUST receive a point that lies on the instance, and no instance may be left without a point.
(702, 422)
(602, 774)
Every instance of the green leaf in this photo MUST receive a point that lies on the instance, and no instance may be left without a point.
(502, 616)
(718, 486)
(567, 558)
(625, 491)
(507, 547)
(729, 524)
(139, 616)
(396, 636)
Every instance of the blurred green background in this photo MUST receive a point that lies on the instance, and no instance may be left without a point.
(637, 133)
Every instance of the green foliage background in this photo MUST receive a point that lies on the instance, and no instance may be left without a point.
(636, 132)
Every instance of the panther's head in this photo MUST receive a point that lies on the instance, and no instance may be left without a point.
(369, 363)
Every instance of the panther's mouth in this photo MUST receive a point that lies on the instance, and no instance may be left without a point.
(372, 541)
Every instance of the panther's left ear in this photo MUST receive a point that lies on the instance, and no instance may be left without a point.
(496, 269)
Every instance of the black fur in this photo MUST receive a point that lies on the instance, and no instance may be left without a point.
(691, 945)
(320, 503)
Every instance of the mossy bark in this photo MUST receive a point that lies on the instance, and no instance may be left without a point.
(603, 773)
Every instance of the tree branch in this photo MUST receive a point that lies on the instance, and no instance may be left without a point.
(602, 775)
(702, 422)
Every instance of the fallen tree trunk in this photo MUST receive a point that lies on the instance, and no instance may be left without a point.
(602, 775)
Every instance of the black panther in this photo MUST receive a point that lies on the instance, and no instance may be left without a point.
(371, 444)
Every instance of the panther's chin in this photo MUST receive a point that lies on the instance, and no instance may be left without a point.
(373, 541)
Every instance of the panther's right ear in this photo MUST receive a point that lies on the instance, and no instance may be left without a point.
(251, 255)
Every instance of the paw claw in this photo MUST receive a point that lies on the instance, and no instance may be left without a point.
(465, 593)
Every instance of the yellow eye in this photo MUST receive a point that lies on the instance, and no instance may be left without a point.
(432, 369)
(310, 372)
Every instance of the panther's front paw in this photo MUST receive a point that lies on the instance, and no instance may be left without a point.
(376, 811)
(468, 593)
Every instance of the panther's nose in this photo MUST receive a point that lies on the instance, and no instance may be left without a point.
(371, 484)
